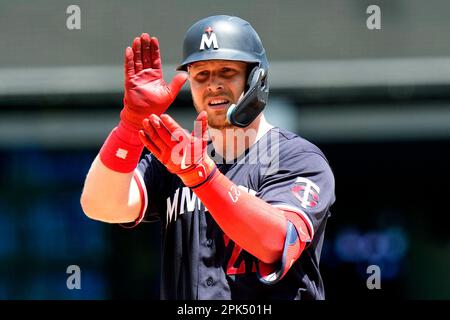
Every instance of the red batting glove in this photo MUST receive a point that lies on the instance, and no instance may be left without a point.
(182, 153)
(146, 92)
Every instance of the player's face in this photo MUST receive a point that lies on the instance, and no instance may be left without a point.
(215, 85)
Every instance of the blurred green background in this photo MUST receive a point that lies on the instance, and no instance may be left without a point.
(377, 102)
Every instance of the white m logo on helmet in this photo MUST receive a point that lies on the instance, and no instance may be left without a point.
(209, 38)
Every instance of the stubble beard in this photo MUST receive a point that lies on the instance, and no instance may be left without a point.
(217, 120)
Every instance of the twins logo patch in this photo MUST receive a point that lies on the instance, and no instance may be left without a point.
(307, 192)
(209, 39)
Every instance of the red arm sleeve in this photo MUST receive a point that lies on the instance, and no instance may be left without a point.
(253, 224)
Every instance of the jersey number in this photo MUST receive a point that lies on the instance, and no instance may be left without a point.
(240, 261)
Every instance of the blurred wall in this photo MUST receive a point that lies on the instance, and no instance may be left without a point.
(35, 33)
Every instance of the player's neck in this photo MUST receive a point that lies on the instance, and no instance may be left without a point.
(230, 143)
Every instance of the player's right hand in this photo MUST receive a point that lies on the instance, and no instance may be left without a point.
(181, 153)
(146, 92)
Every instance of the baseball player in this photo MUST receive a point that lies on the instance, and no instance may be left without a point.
(240, 218)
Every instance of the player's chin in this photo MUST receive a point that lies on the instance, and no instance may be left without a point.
(218, 113)
(218, 120)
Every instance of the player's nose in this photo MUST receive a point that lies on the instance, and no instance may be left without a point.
(215, 83)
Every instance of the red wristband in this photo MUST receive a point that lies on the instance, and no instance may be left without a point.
(122, 149)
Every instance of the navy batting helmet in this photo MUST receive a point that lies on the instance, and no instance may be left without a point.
(223, 38)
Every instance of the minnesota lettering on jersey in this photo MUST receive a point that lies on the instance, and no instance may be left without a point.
(184, 201)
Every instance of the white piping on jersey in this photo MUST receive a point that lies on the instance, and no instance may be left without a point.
(140, 181)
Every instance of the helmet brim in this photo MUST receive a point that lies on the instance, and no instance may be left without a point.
(222, 54)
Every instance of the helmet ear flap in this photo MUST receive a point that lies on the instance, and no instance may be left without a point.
(253, 101)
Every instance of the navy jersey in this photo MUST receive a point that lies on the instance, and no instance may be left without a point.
(199, 261)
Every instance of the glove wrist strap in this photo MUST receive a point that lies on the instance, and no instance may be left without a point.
(122, 149)
(199, 174)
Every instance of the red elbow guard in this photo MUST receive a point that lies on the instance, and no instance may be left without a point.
(298, 236)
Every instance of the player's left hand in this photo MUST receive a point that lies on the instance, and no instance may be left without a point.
(182, 153)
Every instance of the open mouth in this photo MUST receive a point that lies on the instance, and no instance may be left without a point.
(218, 103)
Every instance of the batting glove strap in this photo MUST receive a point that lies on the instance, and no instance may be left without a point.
(199, 174)
(122, 149)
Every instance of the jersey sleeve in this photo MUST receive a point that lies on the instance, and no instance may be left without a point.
(151, 177)
(303, 186)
